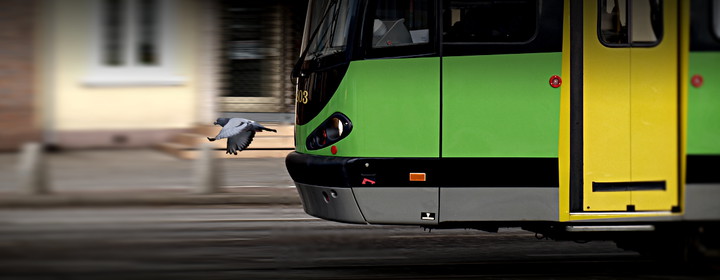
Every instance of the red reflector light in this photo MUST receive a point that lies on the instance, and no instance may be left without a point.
(697, 80)
(555, 81)
(333, 149)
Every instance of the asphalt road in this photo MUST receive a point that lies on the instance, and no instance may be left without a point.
(284, 243)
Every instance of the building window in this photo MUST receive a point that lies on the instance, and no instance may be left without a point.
(113, 33)
(147, 44)
(490, 21)
(641, 28)
(131, 43)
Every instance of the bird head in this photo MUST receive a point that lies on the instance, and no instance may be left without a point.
(221, 121)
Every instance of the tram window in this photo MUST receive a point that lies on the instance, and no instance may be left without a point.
(490, 21)
(613, 22)
(716, 18)
(332, 35)
(643, 27)
(401, 23)
(646, 26)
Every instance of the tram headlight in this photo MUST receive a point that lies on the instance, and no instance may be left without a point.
(333, 129)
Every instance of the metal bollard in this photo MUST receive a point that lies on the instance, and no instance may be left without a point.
(207, 171)
(32, 170)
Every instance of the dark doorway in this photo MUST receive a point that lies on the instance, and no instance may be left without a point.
(260, 41)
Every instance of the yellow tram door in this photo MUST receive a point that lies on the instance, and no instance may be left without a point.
(630, 105)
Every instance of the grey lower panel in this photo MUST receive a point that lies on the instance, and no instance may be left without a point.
(702, 202)
(408, 206)
(339, 206)
(498, 204)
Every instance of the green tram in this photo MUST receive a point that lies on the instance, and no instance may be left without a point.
(573, 119)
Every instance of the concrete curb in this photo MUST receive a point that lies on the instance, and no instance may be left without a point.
(251, 196)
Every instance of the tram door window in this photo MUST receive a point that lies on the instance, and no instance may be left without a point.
(401, 23)
(613, 22)
(490, 21)
(646, 27)
(642, 28)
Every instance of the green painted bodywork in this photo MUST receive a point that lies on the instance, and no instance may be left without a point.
(492, 106)
(703, 117)
(501, 105)
(393, 105)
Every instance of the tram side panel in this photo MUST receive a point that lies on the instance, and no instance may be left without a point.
(500, 115)
(500, 110)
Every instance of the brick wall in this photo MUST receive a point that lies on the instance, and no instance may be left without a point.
(17, 90)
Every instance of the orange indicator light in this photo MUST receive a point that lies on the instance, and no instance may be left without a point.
(417, 177)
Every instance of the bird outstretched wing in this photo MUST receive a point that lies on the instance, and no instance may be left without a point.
(234, 127)
(259, 127)
(240, 142)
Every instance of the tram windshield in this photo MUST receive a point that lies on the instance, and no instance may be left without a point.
(329, 21)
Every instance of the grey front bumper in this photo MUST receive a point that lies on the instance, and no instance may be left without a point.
(336, 204)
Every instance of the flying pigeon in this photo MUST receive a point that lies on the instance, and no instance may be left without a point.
(239, 132)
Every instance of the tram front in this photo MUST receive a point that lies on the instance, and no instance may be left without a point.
(367, 128)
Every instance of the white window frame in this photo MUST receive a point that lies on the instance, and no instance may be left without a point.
(132, 73)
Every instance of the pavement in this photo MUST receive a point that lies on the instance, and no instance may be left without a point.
(144, 177)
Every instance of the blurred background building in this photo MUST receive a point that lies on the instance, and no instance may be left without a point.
(135, 73)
